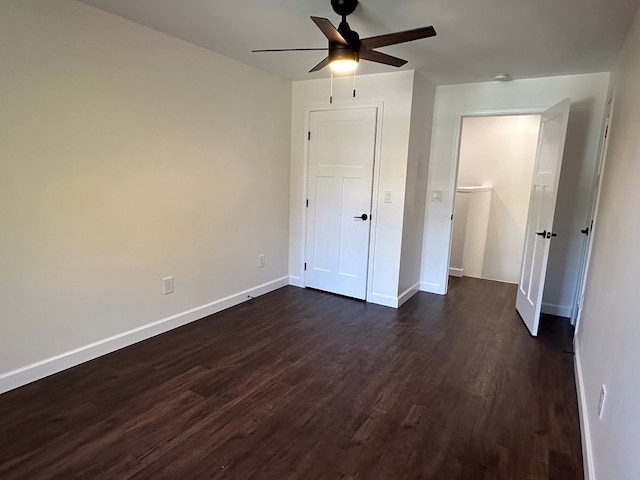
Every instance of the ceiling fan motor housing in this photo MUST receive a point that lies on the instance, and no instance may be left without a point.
(342, 52)
(339, 51)
(352, 38)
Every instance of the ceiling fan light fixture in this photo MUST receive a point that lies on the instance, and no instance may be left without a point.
(343, 59)
(343, 65)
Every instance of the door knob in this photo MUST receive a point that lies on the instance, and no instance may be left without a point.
(364, 216)
(585, 231)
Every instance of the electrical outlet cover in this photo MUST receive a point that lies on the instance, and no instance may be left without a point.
(167, 285)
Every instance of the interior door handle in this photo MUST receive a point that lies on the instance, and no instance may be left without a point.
(585, 231)
(542, 233)
(364, 216)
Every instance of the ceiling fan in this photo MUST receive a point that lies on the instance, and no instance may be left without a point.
(346, 48)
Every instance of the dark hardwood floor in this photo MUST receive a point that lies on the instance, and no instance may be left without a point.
(300, 384)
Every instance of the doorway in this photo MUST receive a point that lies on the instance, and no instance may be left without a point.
(495, 171)
(539, 221)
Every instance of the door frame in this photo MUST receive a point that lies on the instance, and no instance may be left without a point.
(593, 213)
(379, 106)
(453, 175)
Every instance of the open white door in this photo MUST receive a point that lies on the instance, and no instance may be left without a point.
(341, 154)
(544, 190)
(582, 284)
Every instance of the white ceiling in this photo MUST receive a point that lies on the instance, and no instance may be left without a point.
(476, 38)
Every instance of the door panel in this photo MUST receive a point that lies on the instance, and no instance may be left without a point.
(592, 224)
(341, 155)
(544, 190)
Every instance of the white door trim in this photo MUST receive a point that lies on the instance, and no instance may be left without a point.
(374, 193)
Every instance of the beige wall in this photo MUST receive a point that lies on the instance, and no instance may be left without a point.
(127, 156)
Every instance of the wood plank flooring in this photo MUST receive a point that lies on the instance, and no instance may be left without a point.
(300, 384)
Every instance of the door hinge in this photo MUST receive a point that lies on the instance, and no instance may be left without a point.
(606, 131)
(305, 266)
(309, 135)
(307, 203)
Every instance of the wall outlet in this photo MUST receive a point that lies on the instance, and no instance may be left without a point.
(261, 260)
(603, 398)
(167, 285)
(436, 196)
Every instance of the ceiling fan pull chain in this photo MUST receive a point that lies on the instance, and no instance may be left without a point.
(354, 84)
(331, 94)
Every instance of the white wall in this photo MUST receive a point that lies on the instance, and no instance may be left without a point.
(416, 186)
(469, 234)
(608, 338)
(588, 93)
(500, 151)
(393, 92)
(126, 156)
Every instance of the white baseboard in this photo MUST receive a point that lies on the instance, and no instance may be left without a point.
(431, 288)
(30, 373)
(384, 300)
(558, 310)
(585, 433)
(456, 272)
(408, 293)
(295, 281)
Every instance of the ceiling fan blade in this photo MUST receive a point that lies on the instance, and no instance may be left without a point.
(331, 32)
(288, 50)
(378, 57)
(398, 37)
(320, 66)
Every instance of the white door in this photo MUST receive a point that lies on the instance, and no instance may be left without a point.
(342, 147)
(582, 283)
(544, 190)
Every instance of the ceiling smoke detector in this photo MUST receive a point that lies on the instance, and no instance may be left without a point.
(502, 77)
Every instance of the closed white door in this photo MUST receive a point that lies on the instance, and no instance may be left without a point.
(341, 151)
(539, 233)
